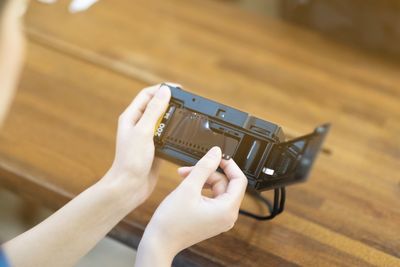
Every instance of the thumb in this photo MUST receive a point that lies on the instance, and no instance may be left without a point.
(206, 166)
(155, 109)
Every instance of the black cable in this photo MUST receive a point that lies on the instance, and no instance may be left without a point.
(283, 200)
(274, 209)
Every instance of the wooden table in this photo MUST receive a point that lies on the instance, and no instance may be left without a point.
(82, 70)
(371, 24)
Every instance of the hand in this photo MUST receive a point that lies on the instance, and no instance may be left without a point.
(186, 217)
(76, 228)
(134, 166)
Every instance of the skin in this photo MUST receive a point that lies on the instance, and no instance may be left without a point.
(12, 50)
(184, 218)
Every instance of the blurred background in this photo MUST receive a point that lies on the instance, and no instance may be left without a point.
(299, 63)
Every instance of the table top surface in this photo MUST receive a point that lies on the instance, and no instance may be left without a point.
(82, 70)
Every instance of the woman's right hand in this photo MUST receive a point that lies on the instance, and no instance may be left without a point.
(186, 217)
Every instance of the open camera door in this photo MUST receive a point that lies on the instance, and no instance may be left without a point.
(291, 161)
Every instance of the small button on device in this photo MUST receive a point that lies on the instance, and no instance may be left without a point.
(221, 113)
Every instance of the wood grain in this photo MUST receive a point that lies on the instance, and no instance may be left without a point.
(83, 69)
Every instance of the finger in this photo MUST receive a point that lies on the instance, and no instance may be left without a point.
(173, 84)
(184, 171)
(237, 181)
(136, 108)
(206, 166)
(216, 181)
(155, 109)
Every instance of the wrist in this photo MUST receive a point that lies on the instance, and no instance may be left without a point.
(152, 251)
(123, 189)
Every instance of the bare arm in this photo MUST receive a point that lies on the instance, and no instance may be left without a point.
(66, 236)
(71, 232)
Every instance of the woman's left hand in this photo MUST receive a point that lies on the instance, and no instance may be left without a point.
(134, 166)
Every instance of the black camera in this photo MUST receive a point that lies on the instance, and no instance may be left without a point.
(193, 124)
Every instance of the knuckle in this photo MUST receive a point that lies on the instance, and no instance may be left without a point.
(228, 219)
(229, 213)
(235, 217)
(229, 227)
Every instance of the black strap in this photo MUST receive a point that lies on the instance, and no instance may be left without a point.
(274, 209)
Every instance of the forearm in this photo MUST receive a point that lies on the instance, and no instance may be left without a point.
(67, 235)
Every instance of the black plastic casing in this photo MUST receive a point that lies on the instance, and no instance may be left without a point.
(263, 155)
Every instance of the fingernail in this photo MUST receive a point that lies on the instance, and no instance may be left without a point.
(214, 152)
(173, 84)
(163, 92)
